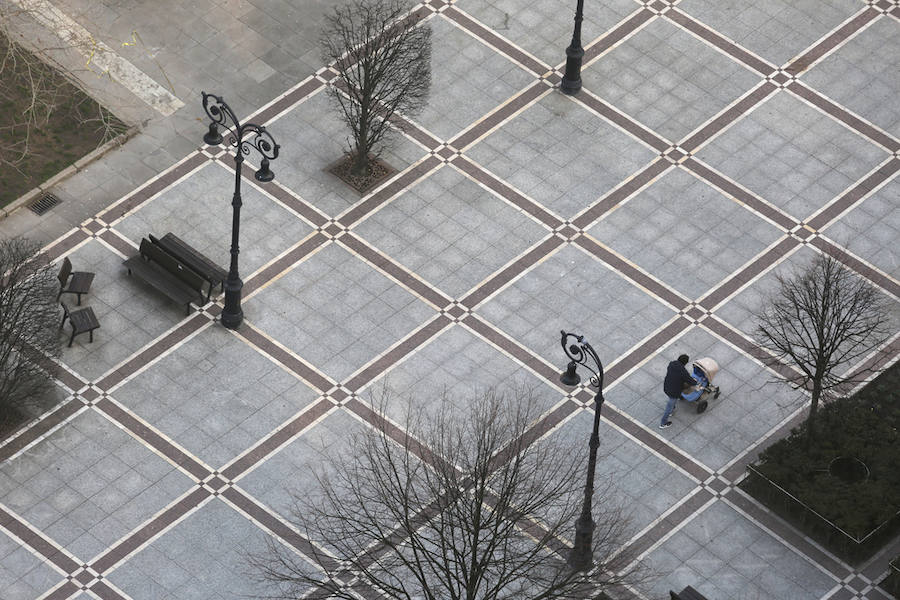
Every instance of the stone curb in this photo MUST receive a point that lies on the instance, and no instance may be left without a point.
(75, 167)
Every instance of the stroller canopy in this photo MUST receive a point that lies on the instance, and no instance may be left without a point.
(709, 366)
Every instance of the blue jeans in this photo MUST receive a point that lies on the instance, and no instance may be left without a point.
(670, 407)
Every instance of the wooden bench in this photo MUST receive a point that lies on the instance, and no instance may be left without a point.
(185, 254)
(161, 270)
(82, 320)
(687, 593)
(73, 282)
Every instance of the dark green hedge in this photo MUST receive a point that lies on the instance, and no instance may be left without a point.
(865, 426)
(891, 583)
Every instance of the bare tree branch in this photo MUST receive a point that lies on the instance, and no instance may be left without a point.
(822, 320)
(28, 332)
(384, 59)
(428, 511)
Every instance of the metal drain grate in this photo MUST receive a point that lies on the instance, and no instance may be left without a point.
(43, 204)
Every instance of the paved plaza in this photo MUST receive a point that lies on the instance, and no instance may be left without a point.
(715, 144)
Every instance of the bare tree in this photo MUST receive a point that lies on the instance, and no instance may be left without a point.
(384, 59)
(453, 506)
(822, 320)
(28, 331)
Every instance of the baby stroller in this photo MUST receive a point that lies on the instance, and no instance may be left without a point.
(704, 370)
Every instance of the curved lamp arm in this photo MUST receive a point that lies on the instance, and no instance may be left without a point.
(257, 137)
(581, 353)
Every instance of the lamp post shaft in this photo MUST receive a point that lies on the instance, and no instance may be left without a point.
(244, 138)
(582, 353)
(232, 314)
(581, 557)
(571, 81)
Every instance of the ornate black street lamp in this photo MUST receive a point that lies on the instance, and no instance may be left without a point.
(259, 139)
(579, 351)
(571, 81)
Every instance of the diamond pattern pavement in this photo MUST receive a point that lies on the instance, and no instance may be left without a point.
(713, 145)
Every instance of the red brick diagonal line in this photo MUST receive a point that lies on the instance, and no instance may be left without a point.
(876, 277)
(406, 347)
(737, 280)
(625, 269)
(737, 469)
(500, 114)
(644, 541)
(394, 187)
(37, 542)
(785, 531)
(511, 347)
(287, 101)
(656, 444)
(843, 115)
(398, 272)
(502, 189)
(64, 245)
(830, 42)
(729, 116)
(40, 428)
(284, 263)
(620, 194)
(716, 39)
(277, 439)
(616, 35)
(149, 530)
(188, 327)
(144, 433)
(855, 194)
(273, 524)
(496, 42)
(146, 192)
(531, 257)
(623, 121)
(636, 356)
(724, 185)
(289, 199)
(726, 332)
(67, 590)
(119, 242)
(304, 371)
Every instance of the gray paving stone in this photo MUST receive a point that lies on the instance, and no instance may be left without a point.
(867, 62)
(545, 29)
(606, 155)
(819, 158)
(777, 30)
(671, 96)
(568, 291)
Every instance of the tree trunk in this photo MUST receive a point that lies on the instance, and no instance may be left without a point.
(813, 406)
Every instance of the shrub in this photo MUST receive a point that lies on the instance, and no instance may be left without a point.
(863, 427)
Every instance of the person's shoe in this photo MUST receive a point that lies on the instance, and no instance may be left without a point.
(666, 424)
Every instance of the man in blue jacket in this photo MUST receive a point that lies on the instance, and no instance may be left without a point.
(677, 378)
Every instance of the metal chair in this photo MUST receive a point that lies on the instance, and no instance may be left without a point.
(82, 320)
(78, 282)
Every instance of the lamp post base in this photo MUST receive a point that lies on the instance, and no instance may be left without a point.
(571, 81)
(232, 316)
(581, 557)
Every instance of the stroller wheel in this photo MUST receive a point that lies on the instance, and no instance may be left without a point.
(716, 395)
(701, 406)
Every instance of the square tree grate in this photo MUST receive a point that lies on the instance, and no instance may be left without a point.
(43, 204)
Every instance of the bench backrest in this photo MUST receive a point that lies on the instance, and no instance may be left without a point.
(64, 271)
(155, 254)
